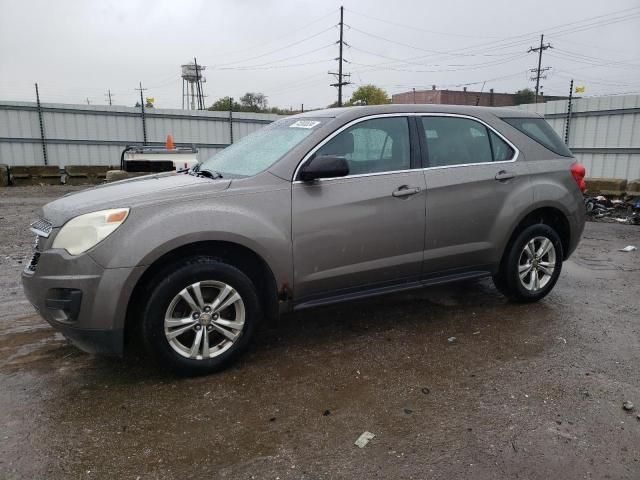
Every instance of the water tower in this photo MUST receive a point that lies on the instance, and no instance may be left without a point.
(192, 80)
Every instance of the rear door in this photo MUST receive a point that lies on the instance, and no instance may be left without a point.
(471, 172)
(365, 229)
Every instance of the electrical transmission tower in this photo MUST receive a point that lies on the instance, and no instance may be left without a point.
(539, 72)
(192, 79)
(341, 82)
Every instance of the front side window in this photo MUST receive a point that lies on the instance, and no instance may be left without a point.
(259, 150)
(456, 141)
(373, 146)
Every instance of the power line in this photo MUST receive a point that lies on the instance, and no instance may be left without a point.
(298, 42)
(375, 67)
(450, 34)
(275, 67)
(253, 67)
(563, 55)
(513, 41)
(288, 34)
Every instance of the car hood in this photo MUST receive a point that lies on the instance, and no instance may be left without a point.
(129, 193)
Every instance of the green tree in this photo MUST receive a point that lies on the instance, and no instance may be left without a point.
(254, 102)
(369, 95)
(222, 104)
(524, 96)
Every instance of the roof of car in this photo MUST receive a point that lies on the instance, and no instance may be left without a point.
(413, 108)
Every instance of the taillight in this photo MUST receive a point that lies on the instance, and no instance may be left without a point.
(578, 172)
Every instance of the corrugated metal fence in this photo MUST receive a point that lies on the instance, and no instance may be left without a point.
(96, 135)
(604, 133)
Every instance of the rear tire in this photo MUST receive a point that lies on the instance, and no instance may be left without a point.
(531, 264)
(200, 315)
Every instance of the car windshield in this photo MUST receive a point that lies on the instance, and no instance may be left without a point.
(258, 151)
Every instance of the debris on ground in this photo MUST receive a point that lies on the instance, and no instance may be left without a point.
(628, 248)
(326, 413)
(451, 339)
(426, 390)
(408, 411)
(364, 439)
(627, 405)
(620, 210)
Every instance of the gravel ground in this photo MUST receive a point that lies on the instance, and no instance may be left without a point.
(454, 382)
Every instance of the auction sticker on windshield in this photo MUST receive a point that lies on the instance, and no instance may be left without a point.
(304, 124)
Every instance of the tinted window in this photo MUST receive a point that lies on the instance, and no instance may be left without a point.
(541, 132)
(456, 141)
(377, 145)
(501, 149)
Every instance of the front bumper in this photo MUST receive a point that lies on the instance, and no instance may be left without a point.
(84, 301)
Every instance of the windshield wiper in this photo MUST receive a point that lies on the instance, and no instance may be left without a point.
(204, 172)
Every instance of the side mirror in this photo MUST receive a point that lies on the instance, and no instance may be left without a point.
(324, 166)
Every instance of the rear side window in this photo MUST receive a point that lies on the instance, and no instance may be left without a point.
(501, 149)
(462, 141)
(539, 130)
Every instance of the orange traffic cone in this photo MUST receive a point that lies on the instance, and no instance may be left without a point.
(169, 143)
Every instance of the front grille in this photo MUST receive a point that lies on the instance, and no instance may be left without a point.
(31, 266)
(42, 227)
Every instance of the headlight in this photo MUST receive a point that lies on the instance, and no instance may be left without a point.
(85, 231)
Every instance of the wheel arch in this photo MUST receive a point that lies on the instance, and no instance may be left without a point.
(235, 254)
(550, 215)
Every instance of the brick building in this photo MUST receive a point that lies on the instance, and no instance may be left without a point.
(462, 97)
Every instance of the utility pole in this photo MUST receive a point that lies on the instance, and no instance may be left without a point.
(43, 139)
(199, 85)
(341, 83)
(109, 96)
(144, 122)
(88, 102)
(567, 125)
(539, 71)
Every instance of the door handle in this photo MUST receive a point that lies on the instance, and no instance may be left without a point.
(503, 175)
(405, 191)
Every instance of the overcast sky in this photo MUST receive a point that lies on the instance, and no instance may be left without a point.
(77, 49)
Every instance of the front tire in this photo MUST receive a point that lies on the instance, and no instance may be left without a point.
(531, 265)
(199, 316)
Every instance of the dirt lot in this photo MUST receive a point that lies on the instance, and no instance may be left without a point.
(523, 391)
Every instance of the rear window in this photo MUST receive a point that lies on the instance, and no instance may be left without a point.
(539, 130)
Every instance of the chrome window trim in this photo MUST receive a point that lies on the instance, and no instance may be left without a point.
(406, 114)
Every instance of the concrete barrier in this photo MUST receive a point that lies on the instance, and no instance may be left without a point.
(86, 174)
(633, 188)
(606, 186)
(4, 176)
(47, 175)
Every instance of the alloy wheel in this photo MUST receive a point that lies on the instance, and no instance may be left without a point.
(537, 263)
(204, 320)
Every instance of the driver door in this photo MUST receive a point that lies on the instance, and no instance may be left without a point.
(366, 229)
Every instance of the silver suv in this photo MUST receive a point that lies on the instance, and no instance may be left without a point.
(318, 208)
